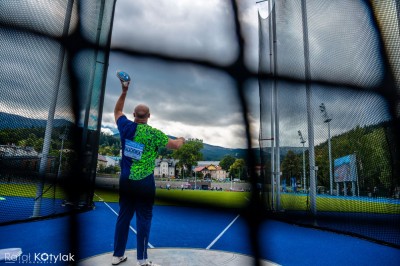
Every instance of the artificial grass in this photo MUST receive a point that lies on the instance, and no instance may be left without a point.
(340, 204)
(223, 199)
(29, 190)
(175, 197)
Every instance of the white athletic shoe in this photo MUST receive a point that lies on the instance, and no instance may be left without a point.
(118, 260)
(148, 263)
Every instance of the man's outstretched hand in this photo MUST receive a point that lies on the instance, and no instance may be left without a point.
(125, 85)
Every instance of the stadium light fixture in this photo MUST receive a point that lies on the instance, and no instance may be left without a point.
(265, 7)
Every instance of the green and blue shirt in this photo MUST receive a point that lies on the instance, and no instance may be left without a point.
(140, 144)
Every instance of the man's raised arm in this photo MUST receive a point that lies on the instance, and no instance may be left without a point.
(119, 106)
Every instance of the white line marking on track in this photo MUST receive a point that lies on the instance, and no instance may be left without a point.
(133, 229)
(223, 232)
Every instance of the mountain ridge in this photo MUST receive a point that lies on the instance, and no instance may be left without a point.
(8, 120)
(210, 152)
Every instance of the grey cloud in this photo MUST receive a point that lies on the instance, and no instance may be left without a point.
(192, 95)
(185, 93)
(347, 108)
(28, 78)
(194, 29)
(196, 96)
(343, 47)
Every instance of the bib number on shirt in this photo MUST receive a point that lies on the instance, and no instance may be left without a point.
(133, 149)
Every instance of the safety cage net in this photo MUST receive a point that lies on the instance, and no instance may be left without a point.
(54, 56)
(329, 114)
(329, 76)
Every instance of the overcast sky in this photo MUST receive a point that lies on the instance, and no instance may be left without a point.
(185, 100)
(198, 102)
(194, 101)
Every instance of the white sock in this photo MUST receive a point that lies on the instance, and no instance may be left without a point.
(142, 261)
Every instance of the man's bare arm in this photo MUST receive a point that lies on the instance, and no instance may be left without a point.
(119, 106)
(175, 143)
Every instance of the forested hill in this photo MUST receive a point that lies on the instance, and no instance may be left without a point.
(17, 121)
(212, 152)
(373, 144)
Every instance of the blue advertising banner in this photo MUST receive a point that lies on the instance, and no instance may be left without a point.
(345, 169)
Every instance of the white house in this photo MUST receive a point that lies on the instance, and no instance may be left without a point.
(101, 162)
(112, 160)
(165, 168)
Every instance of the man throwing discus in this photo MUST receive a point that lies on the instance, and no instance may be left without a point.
(140, 143)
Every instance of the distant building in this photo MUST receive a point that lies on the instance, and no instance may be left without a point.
(211, 170)
(113, 160)
(220, 174)
(13, 150)
(15, 159)
(165, 168)
(101, 162)
(207, 163)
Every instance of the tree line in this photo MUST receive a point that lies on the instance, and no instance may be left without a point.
(34, 137)
(188, 156)
(374, 148)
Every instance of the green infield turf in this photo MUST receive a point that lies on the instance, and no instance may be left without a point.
(29, 190)
(224, 199)
(339, 204)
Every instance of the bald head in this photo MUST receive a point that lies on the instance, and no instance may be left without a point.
(141, 113)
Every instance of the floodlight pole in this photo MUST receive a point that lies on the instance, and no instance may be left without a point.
(277, 154)
(302, 141)
(272, 150)
(232, 176)
(328, 120)
(195, 179)
(273, 110)
(63, 137)
(274, 107)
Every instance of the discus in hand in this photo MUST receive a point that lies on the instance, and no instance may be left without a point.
(123, 77)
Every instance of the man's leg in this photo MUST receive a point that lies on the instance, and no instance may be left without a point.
(144, 215)
(126, 212)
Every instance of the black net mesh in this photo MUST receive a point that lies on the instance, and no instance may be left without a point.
(329, 74)
(328, 115)
(52, 83)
